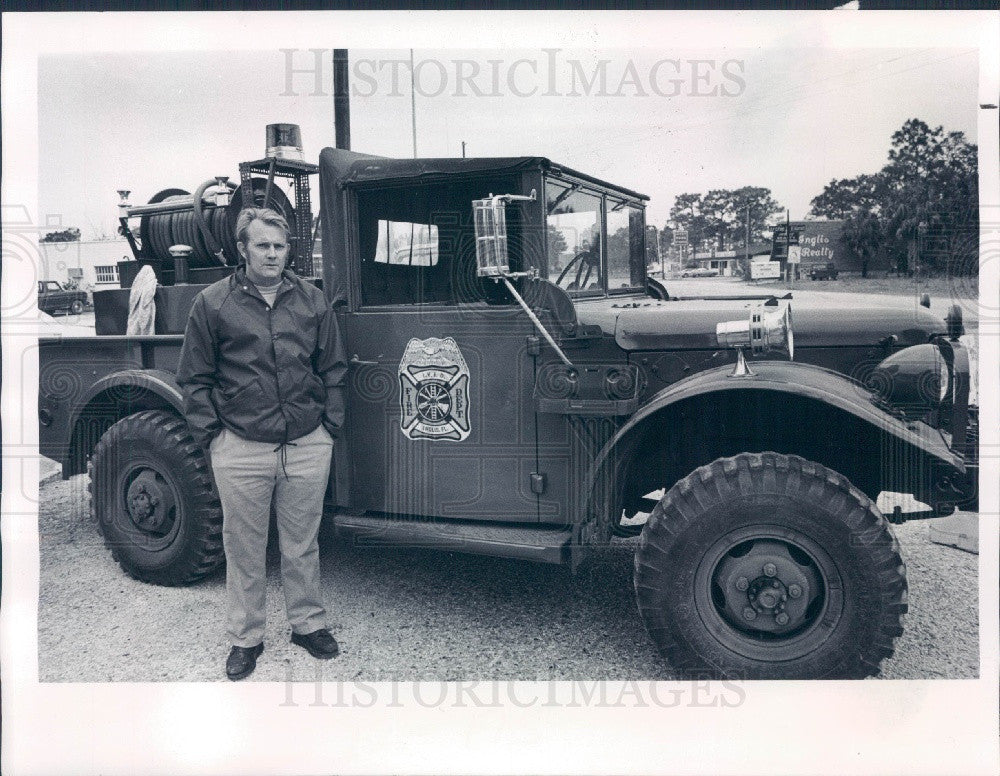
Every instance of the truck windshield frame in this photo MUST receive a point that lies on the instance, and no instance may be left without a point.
(595, 238)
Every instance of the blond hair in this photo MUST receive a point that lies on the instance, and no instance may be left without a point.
(250, 214)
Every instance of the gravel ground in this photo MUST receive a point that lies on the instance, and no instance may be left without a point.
(409, 615)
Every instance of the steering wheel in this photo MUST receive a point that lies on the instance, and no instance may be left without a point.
(588, 261)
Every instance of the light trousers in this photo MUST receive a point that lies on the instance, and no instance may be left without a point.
(247, 476)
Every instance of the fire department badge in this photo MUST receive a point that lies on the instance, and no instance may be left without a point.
(434, 390)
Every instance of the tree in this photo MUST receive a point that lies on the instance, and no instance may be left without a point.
(862, 236)
(66, 235)
(935, 183)
(652, 245)
(686, 212)
(618, 243)
(666, 240)
(842, 197)
(755, 205)
(924, 202)
(557, 245)
(721, 215)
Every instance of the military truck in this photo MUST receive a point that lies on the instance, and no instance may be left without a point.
(518, 387)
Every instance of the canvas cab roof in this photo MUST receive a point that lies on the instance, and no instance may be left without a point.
(351, 168)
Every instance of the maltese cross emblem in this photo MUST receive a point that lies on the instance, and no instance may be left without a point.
(434, 390)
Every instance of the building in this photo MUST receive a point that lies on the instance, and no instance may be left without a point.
(724, 262)
(93, 263)
(728, 263)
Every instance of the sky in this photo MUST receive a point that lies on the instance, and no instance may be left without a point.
(659, 121)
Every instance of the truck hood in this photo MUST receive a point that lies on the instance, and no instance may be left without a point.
(641, 323)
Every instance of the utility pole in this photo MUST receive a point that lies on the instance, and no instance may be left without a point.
(463, 149)
(413, 105)
(788, 231)
(659, 254)
(746, 240)
(341, 100)
(788, 248)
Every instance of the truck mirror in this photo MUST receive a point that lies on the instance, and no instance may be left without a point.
(490, 218)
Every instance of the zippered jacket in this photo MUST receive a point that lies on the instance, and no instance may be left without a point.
(269, 374)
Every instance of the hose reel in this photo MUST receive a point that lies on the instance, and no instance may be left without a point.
(175, 216)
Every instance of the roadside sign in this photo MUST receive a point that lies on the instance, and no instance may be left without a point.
(794, 254)
(765, 270)
(779, 236)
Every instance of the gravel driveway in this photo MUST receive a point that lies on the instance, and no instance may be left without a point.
(406, 614)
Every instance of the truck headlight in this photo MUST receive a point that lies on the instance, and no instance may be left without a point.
(914, 378)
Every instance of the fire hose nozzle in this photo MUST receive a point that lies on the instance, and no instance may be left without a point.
(222, 192)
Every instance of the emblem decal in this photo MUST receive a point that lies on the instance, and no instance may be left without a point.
(434, 390)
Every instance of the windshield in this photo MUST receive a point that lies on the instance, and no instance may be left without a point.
(595, 239)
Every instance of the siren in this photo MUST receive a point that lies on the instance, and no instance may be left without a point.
(762, 332)
(284, 141)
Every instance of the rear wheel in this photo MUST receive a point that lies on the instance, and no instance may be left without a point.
(765, 566)
(154, 500)
(76, 307)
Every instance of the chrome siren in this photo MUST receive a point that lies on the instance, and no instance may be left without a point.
(762, 332)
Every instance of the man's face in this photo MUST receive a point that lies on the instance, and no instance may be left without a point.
(265, 252)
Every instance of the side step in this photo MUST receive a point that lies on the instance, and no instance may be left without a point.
(542, 544)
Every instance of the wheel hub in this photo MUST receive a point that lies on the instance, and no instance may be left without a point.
(149, 502)
(766, 587)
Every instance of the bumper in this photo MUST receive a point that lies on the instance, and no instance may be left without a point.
(959, 424)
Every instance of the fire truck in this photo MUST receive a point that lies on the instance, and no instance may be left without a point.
(519, 387)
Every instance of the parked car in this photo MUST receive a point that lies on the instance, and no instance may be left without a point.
(52, 297)
(700, 272)
(826, 271)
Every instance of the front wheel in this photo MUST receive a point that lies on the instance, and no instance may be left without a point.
(766, 566)
(154, 500)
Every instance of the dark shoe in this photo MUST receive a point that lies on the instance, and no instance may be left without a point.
(242, 661)
(320, 644)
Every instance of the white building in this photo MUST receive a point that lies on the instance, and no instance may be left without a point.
(725, 262)
(93, 262)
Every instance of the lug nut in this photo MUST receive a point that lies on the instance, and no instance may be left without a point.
(749, 614)
(770, 569)
(794, 591)
(781, 618)
(742, 583)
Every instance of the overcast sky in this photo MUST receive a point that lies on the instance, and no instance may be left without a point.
(661, 122)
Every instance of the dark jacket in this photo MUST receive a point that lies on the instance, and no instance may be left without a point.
(269, 375)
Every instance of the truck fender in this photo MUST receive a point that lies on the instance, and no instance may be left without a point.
(129, 390)
(785, 388)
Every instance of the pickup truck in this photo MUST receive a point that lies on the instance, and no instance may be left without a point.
(53, 297)
(826, 271)
(504, 403)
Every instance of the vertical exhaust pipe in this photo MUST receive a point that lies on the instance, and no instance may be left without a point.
(341, 100)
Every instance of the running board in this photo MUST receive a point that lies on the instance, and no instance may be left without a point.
(535, 543)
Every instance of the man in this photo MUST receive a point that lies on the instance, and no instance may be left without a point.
(262, 370)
